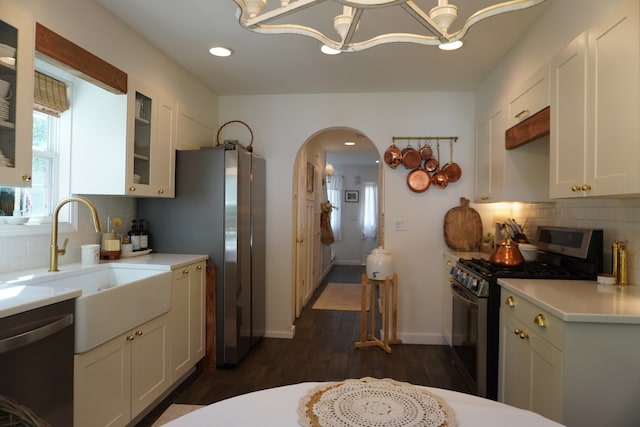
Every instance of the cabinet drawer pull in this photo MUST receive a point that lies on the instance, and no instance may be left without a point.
(510, 302)
(586, 187)
(132, 188)
(139, 332)
(161, 191)
(522, 113)
(484, 197)
(185, 272)
(575, 188)
(540, 320)
(199, 268)
(130, 337)
(449, 263)
(26, 178)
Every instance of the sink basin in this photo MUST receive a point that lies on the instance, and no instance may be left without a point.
(115, 298)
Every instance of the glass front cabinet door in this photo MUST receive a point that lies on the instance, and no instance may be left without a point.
(16, 97)
(151, 143)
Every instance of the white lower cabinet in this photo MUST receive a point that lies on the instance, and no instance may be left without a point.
(531, 372)
(116, 381)
(578, 373)
(187, 318)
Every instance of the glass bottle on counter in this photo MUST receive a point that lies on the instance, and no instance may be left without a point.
(144, 236)
(134, 236)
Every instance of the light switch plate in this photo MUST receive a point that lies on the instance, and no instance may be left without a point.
(401, 224)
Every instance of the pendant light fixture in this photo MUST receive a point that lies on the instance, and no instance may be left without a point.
(265, 17)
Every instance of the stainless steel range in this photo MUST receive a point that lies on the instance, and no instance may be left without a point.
(564, 253)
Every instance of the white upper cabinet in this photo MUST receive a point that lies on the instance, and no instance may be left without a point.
(16, 108)
(595, 94)
(521, 174)
(529, 97)
(123, 144)
(194, 130)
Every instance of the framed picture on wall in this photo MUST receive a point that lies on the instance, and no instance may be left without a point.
(351, 196)
(310, 177)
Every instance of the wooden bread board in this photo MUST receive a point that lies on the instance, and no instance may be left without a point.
(463, 228)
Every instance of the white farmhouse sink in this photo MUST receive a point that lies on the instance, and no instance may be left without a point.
(115, 298)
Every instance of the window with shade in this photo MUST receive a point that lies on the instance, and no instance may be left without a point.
(50, 149)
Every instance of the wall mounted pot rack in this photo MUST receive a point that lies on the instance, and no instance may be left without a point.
(425, 169)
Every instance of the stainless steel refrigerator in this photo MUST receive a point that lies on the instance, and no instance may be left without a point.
(219, 210)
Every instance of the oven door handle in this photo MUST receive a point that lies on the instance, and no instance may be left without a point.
(28, 337)
(462, 298)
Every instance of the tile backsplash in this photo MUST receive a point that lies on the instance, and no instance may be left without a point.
(618, 218)
(31, 250)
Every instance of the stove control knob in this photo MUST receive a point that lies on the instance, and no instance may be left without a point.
(474, 283)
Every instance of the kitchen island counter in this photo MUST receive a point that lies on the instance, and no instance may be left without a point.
(579, 300)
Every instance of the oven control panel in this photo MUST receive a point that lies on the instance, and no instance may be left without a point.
(469, 280)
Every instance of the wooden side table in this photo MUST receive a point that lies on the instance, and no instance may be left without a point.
(390, 286)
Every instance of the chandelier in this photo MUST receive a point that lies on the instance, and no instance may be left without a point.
(255, 16)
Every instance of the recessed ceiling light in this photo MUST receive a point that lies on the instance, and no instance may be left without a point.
(329, 50)
(220, 51)
(349, 143)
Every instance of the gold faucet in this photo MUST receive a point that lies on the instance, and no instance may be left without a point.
(54, 251)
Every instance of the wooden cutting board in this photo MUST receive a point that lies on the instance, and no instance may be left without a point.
(463, 228)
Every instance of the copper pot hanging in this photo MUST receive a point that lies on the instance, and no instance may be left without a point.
(440, 179)
(393, 156)
(426, 152)
(411, 158)
(453, 170)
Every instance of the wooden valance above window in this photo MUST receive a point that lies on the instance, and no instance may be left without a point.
(79, 61)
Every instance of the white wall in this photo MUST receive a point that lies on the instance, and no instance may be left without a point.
(282, 123)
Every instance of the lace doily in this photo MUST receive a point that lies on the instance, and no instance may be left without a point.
(372, 402)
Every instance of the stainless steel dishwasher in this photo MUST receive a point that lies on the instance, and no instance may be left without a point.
(36, 361)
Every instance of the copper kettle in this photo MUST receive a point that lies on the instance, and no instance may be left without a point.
(506, 253)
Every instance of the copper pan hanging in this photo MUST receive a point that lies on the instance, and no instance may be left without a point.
(411, 157)
(393, 156)
(426, 152)
(440, 179)
(453, 170)
(418, 180)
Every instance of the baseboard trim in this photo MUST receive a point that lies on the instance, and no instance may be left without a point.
(281, 334)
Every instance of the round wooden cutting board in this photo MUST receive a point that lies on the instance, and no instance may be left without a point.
(463, 228)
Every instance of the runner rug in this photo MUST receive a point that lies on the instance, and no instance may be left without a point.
(339, 296)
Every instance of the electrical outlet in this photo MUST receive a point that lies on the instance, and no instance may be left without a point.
(401, 224)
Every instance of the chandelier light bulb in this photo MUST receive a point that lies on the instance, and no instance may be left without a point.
(254, 7)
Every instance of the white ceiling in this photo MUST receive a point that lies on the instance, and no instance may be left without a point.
(285, 64)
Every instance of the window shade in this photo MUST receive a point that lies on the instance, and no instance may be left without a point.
(50, 95)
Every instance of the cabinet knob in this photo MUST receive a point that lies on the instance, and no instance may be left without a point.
(586, 187)
(540, 320)
(139, 332)
(161, 191)
(449, 263)
(132, 188)
(575, 188)
(130, 337)
(511, 302)
(185, 272)
(26, 178)
(199, 268)
(522, 334)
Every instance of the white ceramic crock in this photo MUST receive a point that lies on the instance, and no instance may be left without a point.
(379, 264)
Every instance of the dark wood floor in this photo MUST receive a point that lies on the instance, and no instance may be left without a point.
(322, 350)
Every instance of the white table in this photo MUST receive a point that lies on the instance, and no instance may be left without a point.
(278, 407)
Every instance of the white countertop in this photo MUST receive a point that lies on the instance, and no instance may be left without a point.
(468, 255)
(580, 301)
(21, 291)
